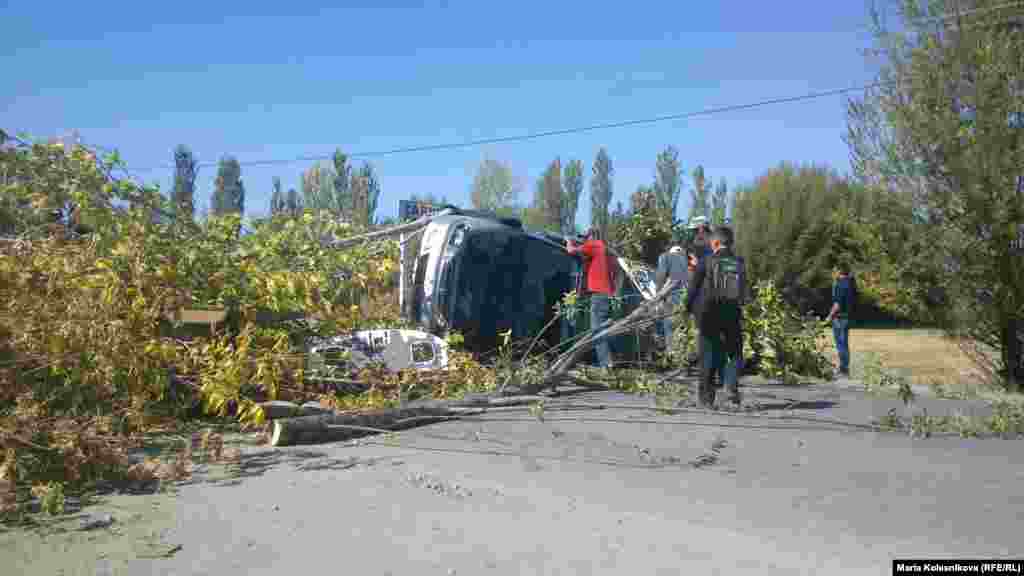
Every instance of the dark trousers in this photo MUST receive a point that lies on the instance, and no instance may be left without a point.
(719, 349)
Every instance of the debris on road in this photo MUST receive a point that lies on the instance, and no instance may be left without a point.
(93, 522)
(395, 349)
(276, 409)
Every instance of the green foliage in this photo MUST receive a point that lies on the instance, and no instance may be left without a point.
(668, 182)
(455, 339)
(781, 341)
(341, 190)
(798, 222)
(549, 198)
(684, 336)
(185, 171)
(601, 191)
(699, 195)
(877, 378)
(1007, 419)
(572, 188)
(318, 192)
(954, 151)
(778, 340)
(365, 189)
(494, 186)
(720, 204)
(52, 499)
(293, 204)
(646, 232)
(336, 189)
(616, 221)
(85, 323)
(228, 192)
(278, 204)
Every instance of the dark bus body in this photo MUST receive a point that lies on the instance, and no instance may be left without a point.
(482, 275)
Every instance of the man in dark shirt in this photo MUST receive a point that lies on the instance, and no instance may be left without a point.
(719, 317)
(844, 294)
(701, 243)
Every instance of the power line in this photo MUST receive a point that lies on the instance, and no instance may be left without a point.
(549, 133)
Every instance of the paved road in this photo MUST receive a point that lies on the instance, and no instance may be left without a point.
(610, 492)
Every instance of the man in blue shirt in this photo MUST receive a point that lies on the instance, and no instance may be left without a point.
(844, 295)
(672, 266)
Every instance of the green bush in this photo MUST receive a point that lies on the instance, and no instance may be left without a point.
(87, 359)
(780, 341)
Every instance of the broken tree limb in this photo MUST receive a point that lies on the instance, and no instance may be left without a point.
(336, 427)
(333, 427)
(645, 312)
(388, 232)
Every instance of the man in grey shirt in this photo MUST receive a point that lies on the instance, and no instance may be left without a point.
(671, 266)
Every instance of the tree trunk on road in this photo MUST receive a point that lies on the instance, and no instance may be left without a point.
(336, 427)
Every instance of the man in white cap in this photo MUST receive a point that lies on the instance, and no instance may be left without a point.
(672, 265)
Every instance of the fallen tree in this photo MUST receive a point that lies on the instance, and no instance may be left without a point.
(645, 313)
(336, 427)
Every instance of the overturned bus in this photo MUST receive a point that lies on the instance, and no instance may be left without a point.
(482, 275)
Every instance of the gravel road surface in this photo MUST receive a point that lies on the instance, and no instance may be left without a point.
(608, 491)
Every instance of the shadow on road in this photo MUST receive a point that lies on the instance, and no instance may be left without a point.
(257, 463)
(797, 405)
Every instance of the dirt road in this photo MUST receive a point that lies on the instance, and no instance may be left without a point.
(600, 492)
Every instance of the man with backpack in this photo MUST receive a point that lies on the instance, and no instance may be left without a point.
(599, 286)
(698, 249)
(720, 281)
(844, 295)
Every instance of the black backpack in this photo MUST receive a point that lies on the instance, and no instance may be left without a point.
(724, 283)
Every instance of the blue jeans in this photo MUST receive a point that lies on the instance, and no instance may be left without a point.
(600, 307)
(841, 333)
(665, 324)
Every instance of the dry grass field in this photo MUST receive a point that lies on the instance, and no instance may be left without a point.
(923, 356)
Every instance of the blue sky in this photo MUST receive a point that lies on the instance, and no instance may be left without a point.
(293, 79)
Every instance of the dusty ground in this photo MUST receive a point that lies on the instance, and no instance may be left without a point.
(923, 356)
(584, 491)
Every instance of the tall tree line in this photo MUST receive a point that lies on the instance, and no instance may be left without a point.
(942, 136)
(228, 189)
(558, 190)
(353, 195)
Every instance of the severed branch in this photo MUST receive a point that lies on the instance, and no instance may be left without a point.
(558, 371)
(389, 232)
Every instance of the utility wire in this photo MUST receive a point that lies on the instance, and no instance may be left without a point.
(472, 143)
(595, 127)
(582, 129)
(549, 133)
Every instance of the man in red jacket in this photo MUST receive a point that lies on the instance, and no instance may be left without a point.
(599, 287)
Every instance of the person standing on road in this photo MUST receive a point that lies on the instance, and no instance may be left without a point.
(721, 281)
(598, 285)
(844, 295)
(702, 233)
(672, 266)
